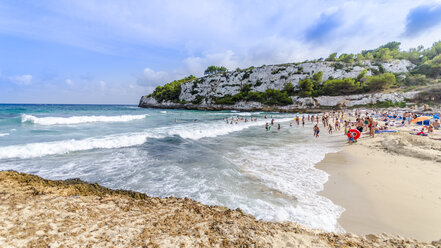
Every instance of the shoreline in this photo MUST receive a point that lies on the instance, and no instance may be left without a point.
(37, 212)
(383, 191)
(189, 106)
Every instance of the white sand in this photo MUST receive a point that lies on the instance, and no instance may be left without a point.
(385, 191)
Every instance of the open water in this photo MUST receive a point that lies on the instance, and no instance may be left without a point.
(270, 175)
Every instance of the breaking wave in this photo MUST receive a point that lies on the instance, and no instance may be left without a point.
(78, 119)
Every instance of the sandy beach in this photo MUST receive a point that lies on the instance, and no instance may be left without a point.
(390, 183)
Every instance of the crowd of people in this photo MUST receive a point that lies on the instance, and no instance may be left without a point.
(368, 122)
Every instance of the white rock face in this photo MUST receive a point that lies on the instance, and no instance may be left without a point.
(276, 76)
(352, 100)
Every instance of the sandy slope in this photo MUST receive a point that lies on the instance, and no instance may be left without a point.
(43, 213)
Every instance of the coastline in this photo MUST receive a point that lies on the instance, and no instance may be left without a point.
(218, 107)
(383, 191)
(38, 212)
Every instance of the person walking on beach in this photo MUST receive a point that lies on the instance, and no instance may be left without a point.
(330, 129)
(371, 127)
(316, 131)
(303, 121)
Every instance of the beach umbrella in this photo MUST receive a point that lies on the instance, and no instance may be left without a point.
(421, 118)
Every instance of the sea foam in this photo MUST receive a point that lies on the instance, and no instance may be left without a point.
(78, 119)
(290, 170)
(4, 134)
(40, 149)
(193, 131)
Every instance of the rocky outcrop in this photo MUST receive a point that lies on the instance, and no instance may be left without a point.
(299, 104)
(42, 213)
(276, 77)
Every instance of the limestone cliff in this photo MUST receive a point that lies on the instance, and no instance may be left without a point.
(199, 93)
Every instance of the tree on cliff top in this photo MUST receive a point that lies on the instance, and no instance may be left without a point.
(214, 69)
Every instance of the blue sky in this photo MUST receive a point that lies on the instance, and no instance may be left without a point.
(115, 51)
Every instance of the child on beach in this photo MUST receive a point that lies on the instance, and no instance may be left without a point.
(351, 138)
(330, 129)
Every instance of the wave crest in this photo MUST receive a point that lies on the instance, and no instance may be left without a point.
(40, 149)
(79, 119)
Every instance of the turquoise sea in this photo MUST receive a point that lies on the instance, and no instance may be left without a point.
(270, 175)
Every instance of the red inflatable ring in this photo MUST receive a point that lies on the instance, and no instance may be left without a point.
(357, 133)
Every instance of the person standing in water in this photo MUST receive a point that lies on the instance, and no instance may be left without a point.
(278, 126)
(316, 131)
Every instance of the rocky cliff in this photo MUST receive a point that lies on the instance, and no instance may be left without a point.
(199, 93)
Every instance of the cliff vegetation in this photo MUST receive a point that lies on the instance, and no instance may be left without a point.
(384, 69)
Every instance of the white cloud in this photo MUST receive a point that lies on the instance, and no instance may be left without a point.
(21, 79)
(69, 82)
(150, 77)
(177, 38)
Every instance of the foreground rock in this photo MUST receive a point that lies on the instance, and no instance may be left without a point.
(43, 213)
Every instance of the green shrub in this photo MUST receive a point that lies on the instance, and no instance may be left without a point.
(429, 96)
(276, 97)
(337, 87)
(269, 97)
(198, 99)
(246, 75)
(306, 87)
(338, 66)
(380, 82)
(318, 77)
(214, 70)
(258, 82)
(289, 88)
(170, 91)
(416, 79)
